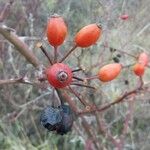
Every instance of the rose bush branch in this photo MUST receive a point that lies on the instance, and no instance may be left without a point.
(24, 50)
(118, 100)
(62, 79)
(17, 80)
(20, 45)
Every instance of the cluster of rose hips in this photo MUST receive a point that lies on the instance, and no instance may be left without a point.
(60, 75)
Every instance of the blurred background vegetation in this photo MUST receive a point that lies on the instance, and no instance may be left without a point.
(28, 18)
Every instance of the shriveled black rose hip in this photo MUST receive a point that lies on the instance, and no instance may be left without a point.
(51, 118)
(59, 119)
(67, 120)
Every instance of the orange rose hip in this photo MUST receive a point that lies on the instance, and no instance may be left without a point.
(139, 69)
(88, 35)
(109, 72)
(56, 30)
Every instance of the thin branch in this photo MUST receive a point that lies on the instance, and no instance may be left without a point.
(76, 70)
(77, 95)
(61, 98)
(24, 50)
(30, 103)
(70, 102)
(17, 80)
(20, 45)
(55, 54)
(143, 29)
(39, 45)
(69, 52)
(77, 78)
(91, 78)
(107, 106)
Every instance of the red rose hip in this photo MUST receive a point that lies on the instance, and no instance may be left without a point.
(139, 69)
(59, 75)
(56, 30)
(109, 72)
(88, 35)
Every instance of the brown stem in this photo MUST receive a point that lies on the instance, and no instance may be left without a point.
(76, 70)
(55, 54)
(14, 81)
(91, 78)
(69, 52)
(118, 100)
(39, 45)
(61, 98)
(20, 45)
(77, 78)
(106, 106)
(70, 102)
(24, 50)
(9, 81)
(77, 95)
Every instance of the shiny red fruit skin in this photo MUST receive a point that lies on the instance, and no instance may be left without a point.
(109, 72)
(88, 35)
(56, 30)
(52, 75)
(139, 69)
